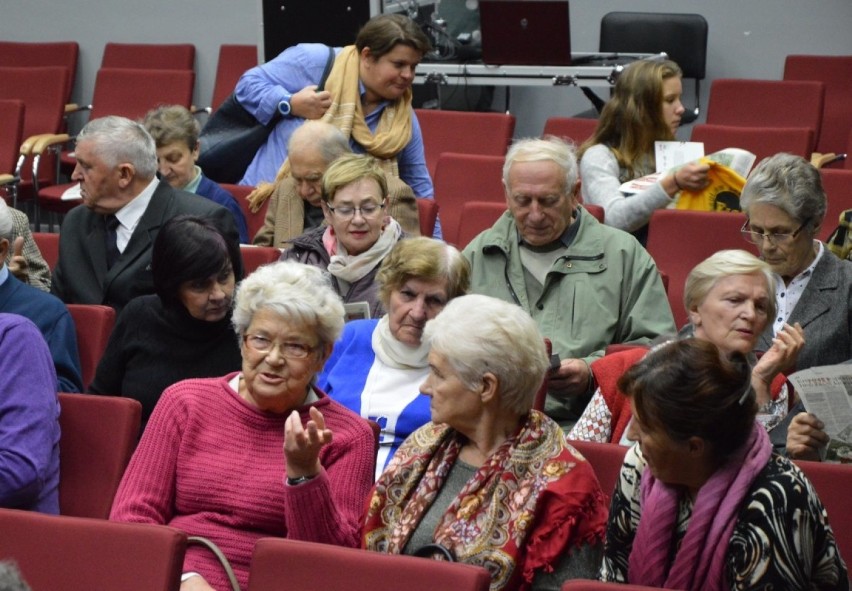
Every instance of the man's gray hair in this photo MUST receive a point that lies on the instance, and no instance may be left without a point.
(551, 149)
(118, 139)
(321, 136)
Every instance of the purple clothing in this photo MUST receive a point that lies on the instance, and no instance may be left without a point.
(29, 419)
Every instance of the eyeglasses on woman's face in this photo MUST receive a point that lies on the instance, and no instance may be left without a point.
(264, 345)
(757, 235)
(367, 210)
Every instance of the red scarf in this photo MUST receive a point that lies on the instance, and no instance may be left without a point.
(526, 505)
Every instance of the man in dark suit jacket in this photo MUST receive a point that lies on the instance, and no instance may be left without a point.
(116, 169)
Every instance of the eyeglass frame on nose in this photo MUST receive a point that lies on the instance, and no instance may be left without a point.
(774, 238)
(284, 349)
(348, 216)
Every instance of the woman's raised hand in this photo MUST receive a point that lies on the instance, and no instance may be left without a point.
(302, 443)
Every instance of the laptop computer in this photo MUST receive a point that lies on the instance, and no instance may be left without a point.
(525, 32)
(534, 33)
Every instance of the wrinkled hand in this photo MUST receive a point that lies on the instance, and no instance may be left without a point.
(18, 265)
(196, 583)
(805, 437)
(310, 104)
(302, 444)
(782, 355)
(571, 379)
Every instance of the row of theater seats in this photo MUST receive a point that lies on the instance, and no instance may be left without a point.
(132, 79)
(81, 554)
(752, 114)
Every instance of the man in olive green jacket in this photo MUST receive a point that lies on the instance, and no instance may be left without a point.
(587, 285)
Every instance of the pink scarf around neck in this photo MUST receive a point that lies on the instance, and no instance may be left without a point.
(700, 561)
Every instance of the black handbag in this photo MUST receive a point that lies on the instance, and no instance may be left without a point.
(232, 136)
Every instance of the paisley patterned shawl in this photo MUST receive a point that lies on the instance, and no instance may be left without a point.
(533, 498)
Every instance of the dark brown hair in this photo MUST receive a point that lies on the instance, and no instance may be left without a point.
(188, 248)
(687, 388)
(384, 32)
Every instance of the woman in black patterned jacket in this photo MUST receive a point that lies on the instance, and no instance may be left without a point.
(702, 502)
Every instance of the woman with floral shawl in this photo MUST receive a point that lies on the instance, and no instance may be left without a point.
(489, 481)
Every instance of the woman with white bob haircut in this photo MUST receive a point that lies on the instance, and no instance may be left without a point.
(487, 453)
(251, 454)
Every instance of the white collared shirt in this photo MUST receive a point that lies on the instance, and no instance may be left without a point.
(787, 296)
(129, 215)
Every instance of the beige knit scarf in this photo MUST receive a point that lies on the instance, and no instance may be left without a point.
(346, 113)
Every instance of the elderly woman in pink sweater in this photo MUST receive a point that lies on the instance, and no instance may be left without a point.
(251, 454)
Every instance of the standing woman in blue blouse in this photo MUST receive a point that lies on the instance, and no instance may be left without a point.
(367, 96)
(378, 365)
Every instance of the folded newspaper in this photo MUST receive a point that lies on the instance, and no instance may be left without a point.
(737, 159)
(826, 392)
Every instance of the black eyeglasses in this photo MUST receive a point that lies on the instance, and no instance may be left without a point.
(774, 238)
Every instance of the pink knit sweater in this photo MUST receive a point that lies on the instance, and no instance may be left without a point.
(212, 465)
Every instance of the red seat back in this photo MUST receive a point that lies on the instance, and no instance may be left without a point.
(149, 56)
(466, 177)
(605, 458)
(760, 141)
(12, 126)
(276, 560)
(255, 256)
(94, 324)
(99, 434)
(835, 71)
(464, 132)
(575, 129)
(43, 92)
(427, 211)
(476, 217)
(79, 554)
(254, 221)
(832, 483)
(39, 54)
(48, 246)
(131, 92)
(595, 210)
(767, 103)
(680, 239)
(234, 60)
